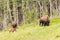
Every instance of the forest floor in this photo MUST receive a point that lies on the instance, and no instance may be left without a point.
(34, 32)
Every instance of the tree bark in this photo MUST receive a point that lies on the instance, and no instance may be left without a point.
(51, 8)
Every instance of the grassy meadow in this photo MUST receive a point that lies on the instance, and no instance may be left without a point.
(34, 32)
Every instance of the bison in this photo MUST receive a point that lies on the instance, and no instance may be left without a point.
(14, 26)
(44, 20)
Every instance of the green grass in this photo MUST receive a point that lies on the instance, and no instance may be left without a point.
(34, 32)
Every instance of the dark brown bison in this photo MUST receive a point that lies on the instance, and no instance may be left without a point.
(44, 21)
(14, 26)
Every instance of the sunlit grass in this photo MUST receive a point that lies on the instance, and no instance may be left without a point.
(34, 32)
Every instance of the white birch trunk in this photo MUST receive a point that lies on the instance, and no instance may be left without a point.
(15, 11)
(40, 8)
(59, 10)
(23, 22)
(51, 8)
(58, 7)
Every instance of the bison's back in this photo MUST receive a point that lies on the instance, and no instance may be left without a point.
(44, 20)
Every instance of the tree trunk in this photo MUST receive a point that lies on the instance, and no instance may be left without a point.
(40, 5)
(5, 14)
(51, 8)
(23, 12)
(58, 7)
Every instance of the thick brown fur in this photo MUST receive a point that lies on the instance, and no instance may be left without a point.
(14, 26)
(44, 20)
(12, 29)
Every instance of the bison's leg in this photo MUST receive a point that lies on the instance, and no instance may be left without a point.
(40, 22)
(48, 22)
(44, 23)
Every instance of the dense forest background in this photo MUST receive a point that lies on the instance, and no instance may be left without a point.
(27, 11)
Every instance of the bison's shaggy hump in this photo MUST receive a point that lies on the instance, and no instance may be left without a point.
(44, 20)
